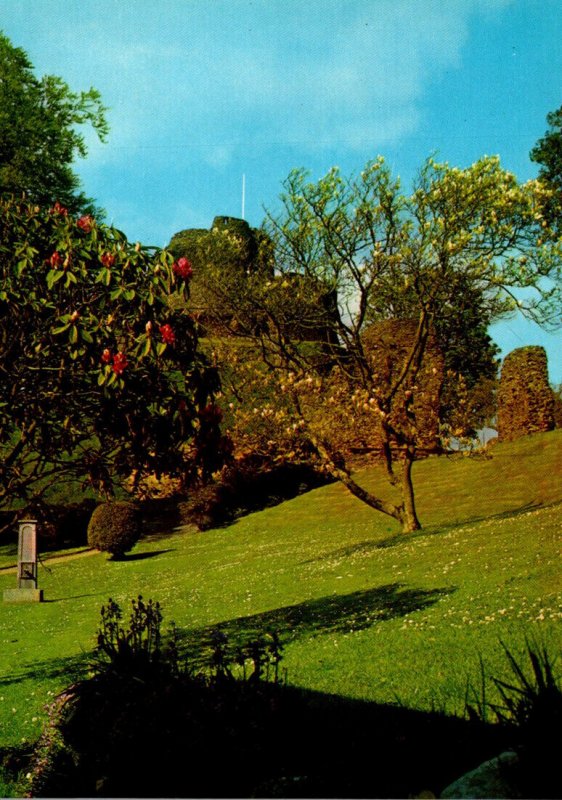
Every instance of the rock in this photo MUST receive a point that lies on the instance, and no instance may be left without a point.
(492, 779)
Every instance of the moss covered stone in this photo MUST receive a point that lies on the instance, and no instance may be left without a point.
(415, 408)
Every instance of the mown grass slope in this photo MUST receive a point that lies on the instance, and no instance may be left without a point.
(364, 611)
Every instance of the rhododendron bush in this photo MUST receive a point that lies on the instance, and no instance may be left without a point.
(101, 375)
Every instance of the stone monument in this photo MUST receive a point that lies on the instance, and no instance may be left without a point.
(27, 590)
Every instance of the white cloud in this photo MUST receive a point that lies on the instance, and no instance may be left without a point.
(189, 74)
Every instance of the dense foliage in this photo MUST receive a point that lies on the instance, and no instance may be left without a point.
(239, 249)
(114, 528)
(530, 710)
(101, 378)
(548, 153)
(39, 136)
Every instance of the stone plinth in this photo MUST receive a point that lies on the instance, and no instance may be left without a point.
(23, 595)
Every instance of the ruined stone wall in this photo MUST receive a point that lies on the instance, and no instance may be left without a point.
(388, 344)
(525, 399)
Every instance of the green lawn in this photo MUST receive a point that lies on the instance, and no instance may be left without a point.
(364, 610)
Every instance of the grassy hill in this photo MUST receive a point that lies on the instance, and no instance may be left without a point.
(363, 610)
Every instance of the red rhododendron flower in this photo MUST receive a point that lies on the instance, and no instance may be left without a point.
(106, 356)
(55, 260)
(120, 362)
(167, 334)
(183, 268)
(58, 209)
(108, 259)
(85, 223)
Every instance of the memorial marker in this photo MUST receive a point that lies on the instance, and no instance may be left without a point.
(27, 590)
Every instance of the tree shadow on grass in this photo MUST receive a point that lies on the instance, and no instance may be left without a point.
(397, 539)
(435, 530)
(144, 556)
(360, 548)
(332, 614)
(343, 747)
(70, 668)
(67, 599)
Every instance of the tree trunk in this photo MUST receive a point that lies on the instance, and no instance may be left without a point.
(367, 497)
(396, 512)
(410, 521)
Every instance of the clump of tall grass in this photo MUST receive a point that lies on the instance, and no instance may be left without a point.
(529, 708)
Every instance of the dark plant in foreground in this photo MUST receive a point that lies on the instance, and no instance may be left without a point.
(135, 648)
(530, 710)
(143, 704)
(150, 721)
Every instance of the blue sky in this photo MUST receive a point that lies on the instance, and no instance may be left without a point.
(201, 92)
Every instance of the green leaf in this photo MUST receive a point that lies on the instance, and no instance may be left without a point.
(104, 276)
(116, 293)
(129, 294)
(160, 347)
(87, 336)
(62, 329)
(73, 335)
(70, 278)
(53, 276)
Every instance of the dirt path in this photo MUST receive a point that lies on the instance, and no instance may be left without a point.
(53, 560)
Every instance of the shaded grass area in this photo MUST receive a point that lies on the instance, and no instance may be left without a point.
(364, 612)
(265, 740)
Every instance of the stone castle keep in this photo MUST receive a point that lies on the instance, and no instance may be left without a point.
(525, 401)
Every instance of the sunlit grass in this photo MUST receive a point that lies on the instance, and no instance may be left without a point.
(364, 610)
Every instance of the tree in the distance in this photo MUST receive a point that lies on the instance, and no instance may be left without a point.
(39, 133)
(548, 153)
(382, 254)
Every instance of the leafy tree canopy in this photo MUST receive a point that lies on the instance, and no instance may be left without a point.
(239, 249)
(352, 251)
(101, 378)
(548, 153)
(39, 136)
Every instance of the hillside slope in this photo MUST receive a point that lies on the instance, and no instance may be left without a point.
(363, 611)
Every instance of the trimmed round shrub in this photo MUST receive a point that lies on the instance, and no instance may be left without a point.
(114, 528)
